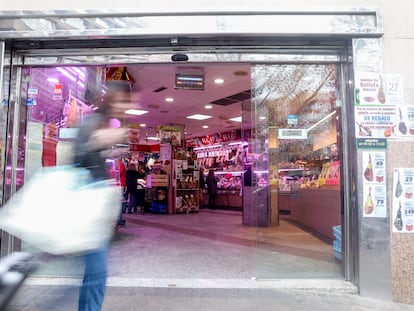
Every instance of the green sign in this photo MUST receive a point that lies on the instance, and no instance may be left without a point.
(371, 143)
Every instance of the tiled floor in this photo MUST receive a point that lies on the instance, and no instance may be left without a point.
(205, 261)
(209, 245)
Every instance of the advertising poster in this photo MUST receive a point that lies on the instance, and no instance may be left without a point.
(374, 185)
(171, 135)
(404, 127)
(403, 201)
(384, 122)
(57, 91)
(376, 122)
(378, 89)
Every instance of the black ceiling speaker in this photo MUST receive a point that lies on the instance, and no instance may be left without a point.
(179, 57)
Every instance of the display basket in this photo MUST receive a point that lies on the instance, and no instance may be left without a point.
(158, 208)
(337, 232)
(337, 248)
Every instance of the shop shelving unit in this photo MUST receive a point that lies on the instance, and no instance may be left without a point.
(156, 194)
(187, 186)
(156, 200)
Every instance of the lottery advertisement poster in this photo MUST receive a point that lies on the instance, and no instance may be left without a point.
(403, 201)
(374, 184)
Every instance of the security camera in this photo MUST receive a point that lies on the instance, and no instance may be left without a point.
(179, 58)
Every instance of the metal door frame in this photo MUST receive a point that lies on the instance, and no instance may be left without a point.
(39, 38)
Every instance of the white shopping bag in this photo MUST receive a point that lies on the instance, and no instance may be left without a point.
(60, 212)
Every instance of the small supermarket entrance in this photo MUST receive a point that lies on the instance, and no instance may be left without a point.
(287, 141)
(294, 123)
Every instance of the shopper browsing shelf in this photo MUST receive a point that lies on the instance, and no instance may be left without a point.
(140, 197)
(132, 176)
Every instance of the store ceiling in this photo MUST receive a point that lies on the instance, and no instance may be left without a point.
(154, 83)
(150, 79)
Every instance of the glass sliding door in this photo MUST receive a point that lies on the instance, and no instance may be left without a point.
(295, 156)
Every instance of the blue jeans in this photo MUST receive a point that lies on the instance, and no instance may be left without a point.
(132, 202)
(124, 202)
(92, 292)
(123, 208)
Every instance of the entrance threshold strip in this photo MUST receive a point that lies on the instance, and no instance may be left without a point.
(326, 285)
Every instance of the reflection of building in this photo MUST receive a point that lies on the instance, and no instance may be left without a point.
(347, 42)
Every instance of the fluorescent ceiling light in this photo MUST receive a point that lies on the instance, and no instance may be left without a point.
(205, 126)
(136, 112)
(236, 119)
(322, 120)
(208, 147)
(152, 138)
(67, 74)
(208, 106)
(53, 80)
(169, 99)
(199, 117)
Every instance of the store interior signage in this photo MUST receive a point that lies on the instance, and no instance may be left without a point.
(371, 143)
(189, 82)
(293, 134)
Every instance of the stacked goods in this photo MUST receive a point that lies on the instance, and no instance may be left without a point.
(158, 180)
(187, 182)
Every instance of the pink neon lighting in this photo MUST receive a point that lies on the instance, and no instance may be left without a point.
(70, 76)
(66, 74)
(76, 73)
(80, 72)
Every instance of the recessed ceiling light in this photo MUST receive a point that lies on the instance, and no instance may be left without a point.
(199, 117)
(142, 125)
(219, 81)
(208, 106)
(136, 112)
(262, 118)
(236, 119)
(205, 126)
(169, 99)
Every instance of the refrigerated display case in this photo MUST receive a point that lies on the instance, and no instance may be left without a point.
(229, 195)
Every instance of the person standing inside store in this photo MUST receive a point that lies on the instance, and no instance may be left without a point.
(211, 182)
(202, 187)
(94, 138)
(140, 197)
(122, 183)
(132, 176)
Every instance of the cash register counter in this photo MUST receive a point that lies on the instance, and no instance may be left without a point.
(231, 200)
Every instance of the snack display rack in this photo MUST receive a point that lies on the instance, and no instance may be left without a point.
(187, 189)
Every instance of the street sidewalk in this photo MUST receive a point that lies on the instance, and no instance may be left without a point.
(64, 298)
